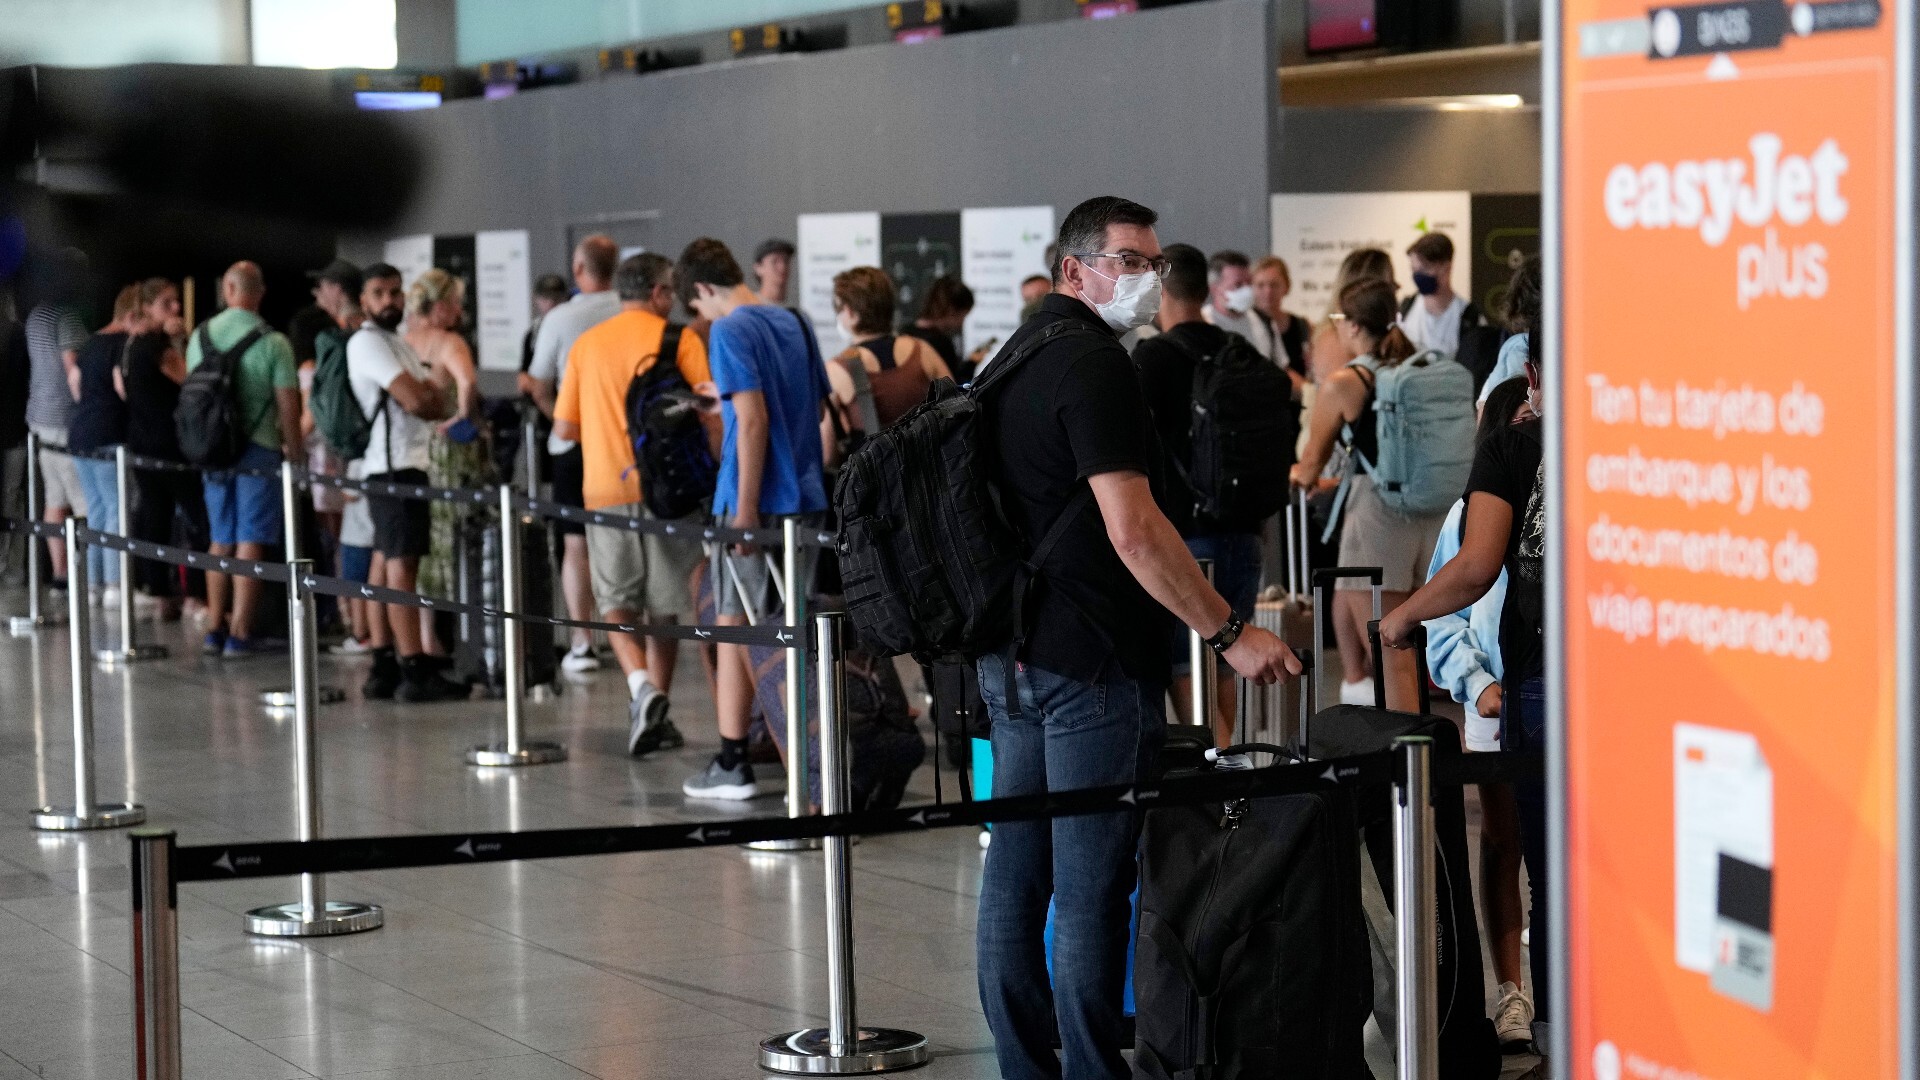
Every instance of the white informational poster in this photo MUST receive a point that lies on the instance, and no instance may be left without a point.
(999, 248)
(411, 255)
(1313, 233)
(503, 297)
(828, 244)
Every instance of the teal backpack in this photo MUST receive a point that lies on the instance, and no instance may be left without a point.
(1424, 418)
(336, 411)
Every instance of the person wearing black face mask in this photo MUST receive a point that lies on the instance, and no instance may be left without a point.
(1434, 318)
(393, 387)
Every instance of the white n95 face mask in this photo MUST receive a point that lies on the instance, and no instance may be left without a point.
(1136, 300)
(1240, 300)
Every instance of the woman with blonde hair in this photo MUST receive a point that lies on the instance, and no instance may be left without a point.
(436, 307)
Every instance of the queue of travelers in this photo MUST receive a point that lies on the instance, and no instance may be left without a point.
(1090, 441)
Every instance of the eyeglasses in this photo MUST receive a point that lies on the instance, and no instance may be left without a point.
(1130, 263)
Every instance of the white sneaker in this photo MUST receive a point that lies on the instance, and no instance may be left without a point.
(580, 659)
(713, 782)
(351, 647)
(104, 597)
(1356, 693)
(1513, 1020)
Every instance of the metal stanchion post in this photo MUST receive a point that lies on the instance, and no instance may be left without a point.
(843, 1047)
(313, 915)
(129, 652)
(156, 958)
(530, 449)
(85, 813)
(799, 804)
(514, 749)
(1201, 675)
(1417, 939)
(280, 702)
(22, 625)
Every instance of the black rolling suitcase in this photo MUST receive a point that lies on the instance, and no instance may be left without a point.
(537, 597)
(1469, 1048)
(478, 653)
(1252, 956)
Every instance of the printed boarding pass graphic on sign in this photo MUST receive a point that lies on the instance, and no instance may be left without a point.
(1723, 861)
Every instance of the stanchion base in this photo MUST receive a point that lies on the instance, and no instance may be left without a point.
(115, 658)
(530, 753)
(25, 625)
(543, 692)
(879, 1050)
(282, 697)
(798, 843)
(105, 816)
(341, 917)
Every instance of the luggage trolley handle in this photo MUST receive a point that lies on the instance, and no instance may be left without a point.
(1380, 667)
(1288, 753)
(1298, 545)
(1323, 589)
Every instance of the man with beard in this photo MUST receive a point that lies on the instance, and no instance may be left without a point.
(392, 387)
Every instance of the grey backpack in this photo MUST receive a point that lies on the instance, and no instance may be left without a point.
(1424, 417)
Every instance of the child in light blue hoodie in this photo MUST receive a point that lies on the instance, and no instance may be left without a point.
(1463, 649)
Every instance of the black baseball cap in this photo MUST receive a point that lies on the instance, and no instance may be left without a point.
(341, 273)
(775, 246)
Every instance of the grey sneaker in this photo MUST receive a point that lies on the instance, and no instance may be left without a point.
(648, 728)
(713, 782)
(1513, 1020)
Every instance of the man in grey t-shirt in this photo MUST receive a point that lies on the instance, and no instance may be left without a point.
(594, 262)
(54, 336)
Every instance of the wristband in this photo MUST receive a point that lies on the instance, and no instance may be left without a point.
(1228, 634)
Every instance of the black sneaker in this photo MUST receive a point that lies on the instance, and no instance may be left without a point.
(423, 683)
(648, 728)
(385, 677)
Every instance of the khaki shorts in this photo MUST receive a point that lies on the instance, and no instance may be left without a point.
(59, 477)
(642, 573)
(1375, 535)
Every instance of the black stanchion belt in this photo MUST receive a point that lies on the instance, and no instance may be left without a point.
(229, 861)
(814, 538)
(52, 530)
(771, 635)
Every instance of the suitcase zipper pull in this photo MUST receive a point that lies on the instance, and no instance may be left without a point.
(1233, 811)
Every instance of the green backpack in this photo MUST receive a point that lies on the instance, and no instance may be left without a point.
(336, 411)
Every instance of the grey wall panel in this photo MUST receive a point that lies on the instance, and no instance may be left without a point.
(1412, 149)
(1168, 107)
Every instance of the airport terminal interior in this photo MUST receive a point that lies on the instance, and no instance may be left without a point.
(1024, 539)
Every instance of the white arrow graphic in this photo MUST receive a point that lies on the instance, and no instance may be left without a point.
(699, 835)
(465, 848)
(224, 863)
(1128, 797)
(1330, 776)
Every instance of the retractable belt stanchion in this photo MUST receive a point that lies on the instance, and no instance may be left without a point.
(514, 749)
(22, 625)
(1417, 939)
(156, 958)
(85, 813)
(313, 915)
(1200, 669)
(128, 652)
(843, 1047)
(799, 804)
(280, 702)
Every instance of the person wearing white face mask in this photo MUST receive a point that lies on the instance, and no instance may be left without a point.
(1072, 449)
(1230, 299)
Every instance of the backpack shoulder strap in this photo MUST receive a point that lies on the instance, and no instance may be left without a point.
(862, 394)
(670, 343)
(1000, 365)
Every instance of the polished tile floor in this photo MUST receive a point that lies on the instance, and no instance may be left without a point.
(632, 966)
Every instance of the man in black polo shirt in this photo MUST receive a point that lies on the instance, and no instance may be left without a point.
(1073, 436)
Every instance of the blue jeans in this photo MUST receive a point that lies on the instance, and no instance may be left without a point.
(1068, 735)
(1236, 577)
(1523, 726)
(244, 508)
(102, 490)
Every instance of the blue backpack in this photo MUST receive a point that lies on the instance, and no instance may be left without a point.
(677, 466)
(1424, 419)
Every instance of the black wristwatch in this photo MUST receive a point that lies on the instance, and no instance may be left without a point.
(1228, 634)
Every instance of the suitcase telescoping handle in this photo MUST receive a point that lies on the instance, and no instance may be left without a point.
(1419, 637)
(1323, 584)
(1298, 546)
(1290, 753)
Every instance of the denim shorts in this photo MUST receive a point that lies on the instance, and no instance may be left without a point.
(356, 563)
(243, 508)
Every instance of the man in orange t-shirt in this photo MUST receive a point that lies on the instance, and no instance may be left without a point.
(636, 576)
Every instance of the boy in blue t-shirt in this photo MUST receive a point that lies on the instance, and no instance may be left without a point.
(773, 388)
